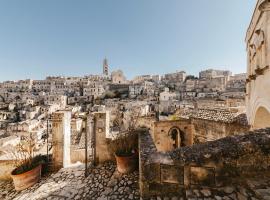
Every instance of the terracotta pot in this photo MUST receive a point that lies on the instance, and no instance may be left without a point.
(26, 179)
(126, 164)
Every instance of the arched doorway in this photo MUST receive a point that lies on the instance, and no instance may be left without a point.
(177, 137)
(262, 118)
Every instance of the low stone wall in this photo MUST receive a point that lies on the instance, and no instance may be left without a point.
(77, 155)
(6, 166)
(153, 167)
(207, 164)
(206, 130)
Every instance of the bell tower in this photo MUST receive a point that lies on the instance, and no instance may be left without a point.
(105, 67)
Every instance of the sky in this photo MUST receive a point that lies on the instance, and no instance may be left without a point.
(71, 38)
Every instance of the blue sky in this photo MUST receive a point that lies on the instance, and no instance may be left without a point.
(68, 37)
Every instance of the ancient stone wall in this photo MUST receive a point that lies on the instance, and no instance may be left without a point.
(147, 122)
(207, 164)
(77, 155)
(206, 130)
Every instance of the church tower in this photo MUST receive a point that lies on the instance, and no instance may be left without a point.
(105, 67)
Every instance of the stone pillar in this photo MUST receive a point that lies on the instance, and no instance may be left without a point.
(61, 139)
(101, 131)
(90, 140)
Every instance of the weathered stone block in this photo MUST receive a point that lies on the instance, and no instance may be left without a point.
(172, 174)
(202, 176)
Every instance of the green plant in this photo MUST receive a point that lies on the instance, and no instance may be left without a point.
(125, 144)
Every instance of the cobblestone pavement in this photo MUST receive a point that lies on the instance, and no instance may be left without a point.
(70, 183)
(105, 183)
(261, 186)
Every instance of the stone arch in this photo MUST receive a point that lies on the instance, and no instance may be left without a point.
(260, 107)
(177, 136)
(261, 118)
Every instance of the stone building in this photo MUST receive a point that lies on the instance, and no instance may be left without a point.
(141, 79)
(212, 73)
(190, 85)
(165, 100)
(59, 100)
(118, 77)
(95, 89)
(212, 124)
(42, 85)
(21, 85)
(135, 90)
(258, 72)
(175, 77)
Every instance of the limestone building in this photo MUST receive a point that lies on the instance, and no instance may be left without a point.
(118, 77)
(213, 73)
(258, 73)
(175, 77)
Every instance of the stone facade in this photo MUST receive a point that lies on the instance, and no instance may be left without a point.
(59, 100)
(258, 72)
(212, 73)
(175, 77)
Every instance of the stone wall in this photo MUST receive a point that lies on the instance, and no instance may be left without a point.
(206, 130)
(146, 122)
(77, 155)
(207, 164)
(6, 166)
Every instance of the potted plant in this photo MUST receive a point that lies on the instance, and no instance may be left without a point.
(27, 170)
(125, 150)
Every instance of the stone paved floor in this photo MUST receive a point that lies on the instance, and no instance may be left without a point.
(105, 183)
(261, 186)
(70, 183)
